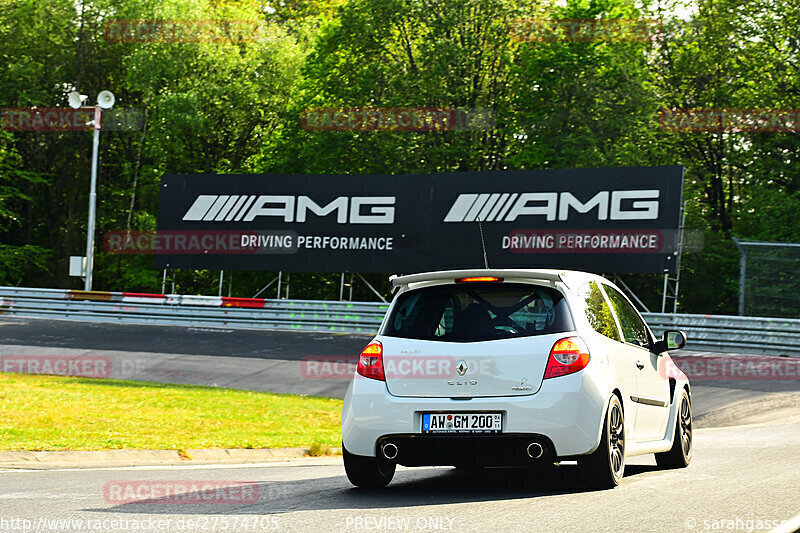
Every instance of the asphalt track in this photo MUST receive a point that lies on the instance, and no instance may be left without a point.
(221, 357)
(742, 478)
(291, 362)
(257, 344)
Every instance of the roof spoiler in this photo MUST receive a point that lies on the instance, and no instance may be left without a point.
(398, 281)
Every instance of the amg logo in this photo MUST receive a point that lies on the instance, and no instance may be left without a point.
(506, 207)
(349, 210)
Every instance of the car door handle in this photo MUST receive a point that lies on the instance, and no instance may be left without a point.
(639, 365)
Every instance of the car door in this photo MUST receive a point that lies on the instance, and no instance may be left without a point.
(622, 360)
(652, 387)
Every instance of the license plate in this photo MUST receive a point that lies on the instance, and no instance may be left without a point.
(462, 422)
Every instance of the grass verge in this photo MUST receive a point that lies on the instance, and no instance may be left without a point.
(61, 413)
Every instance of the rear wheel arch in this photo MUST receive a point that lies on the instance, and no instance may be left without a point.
(680, 453)
(367, 472)
(605, 467)
(616, 392)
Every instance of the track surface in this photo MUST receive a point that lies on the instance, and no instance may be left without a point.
(742, 478)
(737, 473)
(274, 361)
(260, 344)
(219, 357)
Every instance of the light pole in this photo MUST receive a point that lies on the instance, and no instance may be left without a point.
(105, 100)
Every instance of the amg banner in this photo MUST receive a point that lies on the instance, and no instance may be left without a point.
(614, 220)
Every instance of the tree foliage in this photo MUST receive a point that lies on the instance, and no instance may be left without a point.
(234, 105)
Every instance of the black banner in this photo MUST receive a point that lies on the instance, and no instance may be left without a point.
(622, 220)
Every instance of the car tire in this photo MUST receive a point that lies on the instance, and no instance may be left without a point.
(680, 455)
(605, 467)
(367, 472)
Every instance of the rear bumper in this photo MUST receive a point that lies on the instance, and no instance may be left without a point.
(566, 414)
(509, 449)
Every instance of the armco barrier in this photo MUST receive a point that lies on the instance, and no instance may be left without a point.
(741, 334)
(190, 310)
(771, 336)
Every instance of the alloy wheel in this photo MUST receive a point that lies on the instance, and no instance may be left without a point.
(616, 440)
(686, 427)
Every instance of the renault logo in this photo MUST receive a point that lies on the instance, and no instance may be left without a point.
(461, 368)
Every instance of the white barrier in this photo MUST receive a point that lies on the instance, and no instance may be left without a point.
(771, 336)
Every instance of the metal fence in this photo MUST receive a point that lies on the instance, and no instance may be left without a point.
(771, 336)
(739, 334)
(189, 310)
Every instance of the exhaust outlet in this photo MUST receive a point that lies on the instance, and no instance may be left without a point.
(535, 450)
(389, 450)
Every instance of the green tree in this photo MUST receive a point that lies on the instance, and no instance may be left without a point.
(585, 102)
(404, 53)
(208, 106)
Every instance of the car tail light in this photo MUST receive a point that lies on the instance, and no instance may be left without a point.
(479, 279)
(567, 356)
(370, 364)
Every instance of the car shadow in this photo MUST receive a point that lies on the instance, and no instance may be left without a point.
(410, 488)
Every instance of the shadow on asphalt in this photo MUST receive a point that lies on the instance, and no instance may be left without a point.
(410, 488)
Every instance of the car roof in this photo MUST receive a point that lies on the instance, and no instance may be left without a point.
(570, 278)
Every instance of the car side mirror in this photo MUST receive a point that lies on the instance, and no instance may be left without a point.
(672, 339)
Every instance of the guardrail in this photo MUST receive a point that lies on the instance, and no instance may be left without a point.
(741, 334)
(190, 310)
(771, 336)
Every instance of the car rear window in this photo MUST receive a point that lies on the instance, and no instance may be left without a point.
(470, 312)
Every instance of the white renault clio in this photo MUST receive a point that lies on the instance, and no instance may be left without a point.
(475, 368)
